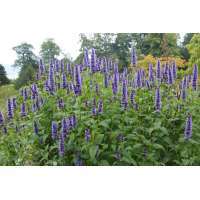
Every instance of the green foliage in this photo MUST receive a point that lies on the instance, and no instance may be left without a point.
(117, 45)
(25, 56)
(149, 137)
(6, 91)
(27, 62)
(3, 78)
(25, 76)
(194, 50)
(49, 50)
(159, 44)
(184, 51)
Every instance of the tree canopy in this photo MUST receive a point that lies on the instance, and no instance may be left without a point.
(3, 77)
(49, 50)
(194, 49)
(26, 61)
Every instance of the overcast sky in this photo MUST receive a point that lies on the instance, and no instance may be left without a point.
(33, 21)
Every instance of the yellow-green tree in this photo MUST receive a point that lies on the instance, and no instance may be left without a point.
(194, 50)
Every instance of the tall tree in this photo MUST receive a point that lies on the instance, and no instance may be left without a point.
(49, 50)
(194, 49)
(184, 51)
(25, 56)
(27, 62)
(121, 48)
(160, 44)
(3, 78)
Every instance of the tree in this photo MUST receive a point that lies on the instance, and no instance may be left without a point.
(49, 50)
(183, 49)
(3, 78)
(26, 61)
(25, 76)
(121, 48)
(160, 44)
(25, 56)
(194, 49)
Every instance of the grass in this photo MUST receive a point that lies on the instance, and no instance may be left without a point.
(6, 91)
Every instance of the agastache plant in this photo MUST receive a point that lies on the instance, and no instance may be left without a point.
(23, 110)
(1, 118)
(9, 109)
(35, 127)
(54, 129)
(64, 128)
(64, 81)
(158, 100)
(93, 61)
(188, 128)
(169, 76)
(41, 67)
(78, 79)
(115, 83)
(158, 71)
(14, 103)
(100, 106)
(151, 76)
(51, 81)
(124, 100)
(87, 135)
(61, 145)
(195, 77)
(86, 58)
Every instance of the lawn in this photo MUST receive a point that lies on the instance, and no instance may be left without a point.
(6, 91)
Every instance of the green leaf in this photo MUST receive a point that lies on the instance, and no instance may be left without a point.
(137, 146)
(98, 138)
(92, 152)
(104, 163)
(158, 146)
(105, 123)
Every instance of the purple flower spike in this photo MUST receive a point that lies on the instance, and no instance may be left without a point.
(132, 97)
(64, 128)
(64, 81)
(106, 80)
(1, 119)
(124, 100)
(133, 57)
(51, 81)
(93, 63)
(188, 128)
(5, 130)
(61, 103)
(78, 79)
(151, 77)
(157, 100)
(23, 110)
(169, 77)
(62, 66)
(9, 109)
(87, 135)
(54, 129)
(35, 126)
(100, 106)
(195, 77)
(41, 67)
(61, 145)
(14, 103)
(183, 94)
(86, 58)
(97, 89)
(158, 70)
